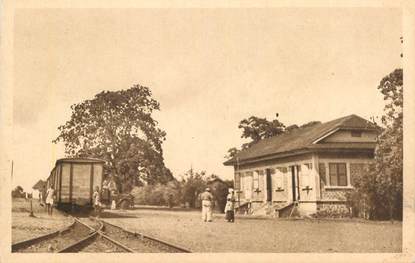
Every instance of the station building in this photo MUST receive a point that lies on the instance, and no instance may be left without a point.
(310, 168)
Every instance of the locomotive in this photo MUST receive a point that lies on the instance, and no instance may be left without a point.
(74, 181)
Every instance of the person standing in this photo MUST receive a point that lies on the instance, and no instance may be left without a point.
(230, 206)
(41, 197)
(207, 201)
(106, 195)
(112, 187)
(50, 195)
(97, 201)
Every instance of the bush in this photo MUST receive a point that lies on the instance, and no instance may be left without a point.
(378, 193)
(18, 192)
(193, 184)
(159, 194)
(185, 191)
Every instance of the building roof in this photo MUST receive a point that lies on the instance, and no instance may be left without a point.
(217, 179)
(39, 185)
(303, 140)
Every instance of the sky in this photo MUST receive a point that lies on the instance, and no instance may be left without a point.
(208, 68)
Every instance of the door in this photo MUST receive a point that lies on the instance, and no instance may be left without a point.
(269, 185)
(293, 183)
(295, 187)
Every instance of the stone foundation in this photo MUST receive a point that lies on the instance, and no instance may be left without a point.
(332, 209)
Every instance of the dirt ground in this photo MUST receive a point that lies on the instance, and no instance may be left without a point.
(261, 235)
(25, 227)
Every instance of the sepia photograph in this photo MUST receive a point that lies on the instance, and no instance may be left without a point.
(206, 130)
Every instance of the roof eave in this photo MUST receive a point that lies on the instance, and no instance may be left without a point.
(297, 152)
(269, 157)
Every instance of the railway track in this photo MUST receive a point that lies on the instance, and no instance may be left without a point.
(58, 240)
(90, 235)
(139, 242)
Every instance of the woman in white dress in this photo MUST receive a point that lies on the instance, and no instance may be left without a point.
(50, 195)
(97, 201)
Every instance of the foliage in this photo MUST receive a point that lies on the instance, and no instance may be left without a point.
(193, 184)
(255, 129)
(117, 126)
(219, 190)
(231, 152)
(18, 192)
(181, 192)
(309, 124)
(379, 192)
(159, 194)
(291, 128)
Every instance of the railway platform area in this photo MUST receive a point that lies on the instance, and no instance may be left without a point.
(152, 230)
(259, 235)
(25, 226)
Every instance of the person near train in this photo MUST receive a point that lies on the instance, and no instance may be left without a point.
(109, 188)
(230, 206)
(97, 201)
(105, 189)
(50, 196)
(207, 203)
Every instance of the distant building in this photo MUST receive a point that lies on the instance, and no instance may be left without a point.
(39, 187)
(312, 167)
(219, 190)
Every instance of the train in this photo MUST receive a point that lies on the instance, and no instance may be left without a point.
(74, 181)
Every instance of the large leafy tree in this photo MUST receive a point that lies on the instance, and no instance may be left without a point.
(389, 151)
(118, 127)
(381, 189)
(193, 184)
(255, 129)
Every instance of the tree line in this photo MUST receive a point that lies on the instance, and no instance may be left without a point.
(183, 192)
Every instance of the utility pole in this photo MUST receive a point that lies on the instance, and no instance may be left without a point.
(239, 183)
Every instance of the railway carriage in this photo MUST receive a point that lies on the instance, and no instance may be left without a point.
(74, 181)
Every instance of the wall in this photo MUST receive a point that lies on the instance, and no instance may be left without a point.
(332, 209)
(280, 179)
(314, 192)
(346, 136)
(354, 167)
(333, 199)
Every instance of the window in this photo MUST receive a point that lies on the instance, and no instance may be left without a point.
(337, 173)
(356, 133)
